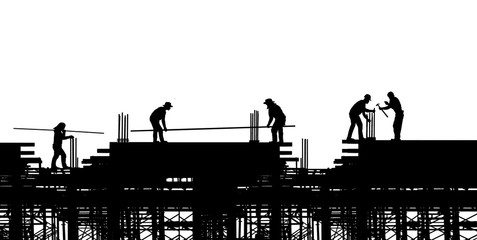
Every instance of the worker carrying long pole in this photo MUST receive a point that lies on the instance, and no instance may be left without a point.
(395, 105)
(275, 112)
(60, 135)
(207, 128)
(159, 115)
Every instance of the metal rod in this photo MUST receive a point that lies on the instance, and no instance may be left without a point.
(119, 127)
(127, 127)
(213, 128)
(251, 127)
(307, 150)
(45, 129)
(71, 152)
(382, 110)
(122, 127)
(76, 152)
(258, 123)
(254, 124)
(374, 125)
(302, 153)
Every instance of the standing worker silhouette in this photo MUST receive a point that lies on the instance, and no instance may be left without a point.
(357, 109)
(156, 116)
(395, 104)
(275, 112)
(57, 142)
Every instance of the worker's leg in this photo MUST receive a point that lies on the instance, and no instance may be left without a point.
(351, 128)
(280, 133)
(279, 126)
(397, 126)
(156, 127)
(63, 158)
(154, 135)
(56, 154)
(274, 133)
(360, 128)
(161, 134)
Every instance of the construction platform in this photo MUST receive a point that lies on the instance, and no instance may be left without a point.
(377, 190)
(411, 163)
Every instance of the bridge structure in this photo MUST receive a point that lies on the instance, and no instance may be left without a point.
(242, 190)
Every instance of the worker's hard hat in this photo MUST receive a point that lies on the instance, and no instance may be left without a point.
(390, 94)
(268, 101)
(167, 104)
(367, 97)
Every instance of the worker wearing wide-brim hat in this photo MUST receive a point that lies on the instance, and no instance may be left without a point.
(159, 115)
(275, 112)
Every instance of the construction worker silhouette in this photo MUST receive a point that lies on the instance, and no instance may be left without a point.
(395, 105)
(357, 109)
(156, 116)
(275, 112)
(57, 142)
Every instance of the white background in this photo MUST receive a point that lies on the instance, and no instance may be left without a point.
(83, 62)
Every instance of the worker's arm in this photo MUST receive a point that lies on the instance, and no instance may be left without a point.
(388, 106)
(164, 124)
(269, 121)
(364, 115)
(66, 137)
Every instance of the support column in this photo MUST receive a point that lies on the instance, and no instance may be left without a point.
(325, 215)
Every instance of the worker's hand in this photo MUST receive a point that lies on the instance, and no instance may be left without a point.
(268, 125)
(380, 108)
(387, 103)
(374, 110)
(71, 136)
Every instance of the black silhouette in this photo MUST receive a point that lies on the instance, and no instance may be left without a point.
(275, 112)
(207, 128)
(57, 142)
(357, 109)
(242, 190)
(156, 116)
(395, 105)
(43, 129)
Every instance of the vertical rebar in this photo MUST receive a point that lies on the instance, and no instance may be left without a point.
(122, 127)
(374, 125)
(71, 152)
(306, 149)
(302, 153)
(368, 135)
(251, 127)
(257, 139)
(127, 128)
(119, 126)
(76, 153)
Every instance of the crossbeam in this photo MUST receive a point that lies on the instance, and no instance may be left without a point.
(45, 129)
(210, 128)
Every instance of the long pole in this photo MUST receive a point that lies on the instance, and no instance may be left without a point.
(212, 128)
(44, 129)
